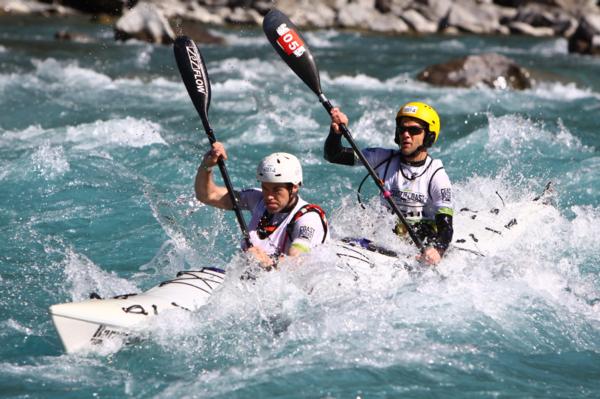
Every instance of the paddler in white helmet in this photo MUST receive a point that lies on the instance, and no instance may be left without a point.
(282, 223)
(418, 183)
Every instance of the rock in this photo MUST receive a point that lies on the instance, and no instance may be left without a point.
(73, 37)
(202, 14)
(241, 15)
(386, 23)
(522, 28)
(195, 31)
(471, 17)
(586, 39)
(363, 15)
(433, 10)
(418, 22)
(576, 8)
(383, 6)
(144, 22)
(15, 7)
(311, 13)
(538, 16)
(492, 70)
(173, 8)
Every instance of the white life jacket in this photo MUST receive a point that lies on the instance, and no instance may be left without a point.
(420, 192)
(278, 241)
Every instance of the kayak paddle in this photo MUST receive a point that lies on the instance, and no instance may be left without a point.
(195, 77)
(291, 47)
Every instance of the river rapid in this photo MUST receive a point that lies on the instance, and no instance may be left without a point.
(99, 145)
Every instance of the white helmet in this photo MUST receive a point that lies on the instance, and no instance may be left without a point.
(279, 167)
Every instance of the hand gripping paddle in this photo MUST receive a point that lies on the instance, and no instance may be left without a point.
(292, 48)
(194, 76)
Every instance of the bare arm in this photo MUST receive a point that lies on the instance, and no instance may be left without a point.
(206, 189)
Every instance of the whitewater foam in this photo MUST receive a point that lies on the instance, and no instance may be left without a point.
(50, 161)
(84, 277)
(125, 132)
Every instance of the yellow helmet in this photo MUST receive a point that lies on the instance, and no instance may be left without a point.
(425, 113)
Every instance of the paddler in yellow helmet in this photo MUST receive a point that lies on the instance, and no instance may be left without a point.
(418, 183)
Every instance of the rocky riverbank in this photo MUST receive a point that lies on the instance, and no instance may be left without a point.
(576, 20)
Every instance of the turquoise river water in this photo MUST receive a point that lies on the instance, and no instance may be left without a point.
(99, 144)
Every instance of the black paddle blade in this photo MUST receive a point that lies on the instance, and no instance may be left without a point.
(286, 40)
(193, 73)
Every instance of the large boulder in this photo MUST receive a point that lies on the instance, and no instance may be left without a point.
(492, 70)
(586, 39)
(144, 22)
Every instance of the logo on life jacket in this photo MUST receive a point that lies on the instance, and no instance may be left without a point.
(303, 211)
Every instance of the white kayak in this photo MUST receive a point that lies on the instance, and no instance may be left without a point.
(87, 323)
(82, 325)
(91, 322)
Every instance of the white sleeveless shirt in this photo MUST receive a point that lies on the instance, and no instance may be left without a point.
(308, 230)
(420, 192)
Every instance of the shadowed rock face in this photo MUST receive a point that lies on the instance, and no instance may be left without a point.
(492, 70)
(586, 39)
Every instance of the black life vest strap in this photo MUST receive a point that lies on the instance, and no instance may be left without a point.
(387, 166)
(303, 211)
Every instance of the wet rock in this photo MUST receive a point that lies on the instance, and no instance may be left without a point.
(73, 37)
(586, 39)
(492, 70)
(144, 22)
(195, 31)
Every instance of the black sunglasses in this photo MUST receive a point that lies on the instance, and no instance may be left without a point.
(412, 130)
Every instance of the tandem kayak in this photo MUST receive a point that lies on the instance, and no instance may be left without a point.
(481, 232)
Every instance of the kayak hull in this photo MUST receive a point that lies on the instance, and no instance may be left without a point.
(93, 321)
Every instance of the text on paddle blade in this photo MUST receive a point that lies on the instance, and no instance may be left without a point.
(196, 65)
(290, 41)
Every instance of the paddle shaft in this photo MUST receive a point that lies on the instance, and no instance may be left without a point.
(385, 193)
(230, 190)
(195, 77)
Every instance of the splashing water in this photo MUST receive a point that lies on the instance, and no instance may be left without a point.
(98, 155)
